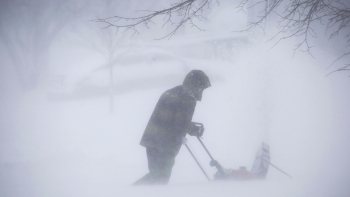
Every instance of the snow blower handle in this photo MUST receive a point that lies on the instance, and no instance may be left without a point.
(213, 162)
(184, 142)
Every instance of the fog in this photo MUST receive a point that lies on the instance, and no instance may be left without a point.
(76, 98)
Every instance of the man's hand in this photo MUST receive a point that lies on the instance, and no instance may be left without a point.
(196, 129)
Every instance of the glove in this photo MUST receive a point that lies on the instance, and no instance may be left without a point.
(196, 129)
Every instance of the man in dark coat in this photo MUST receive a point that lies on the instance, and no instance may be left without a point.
(169, 124)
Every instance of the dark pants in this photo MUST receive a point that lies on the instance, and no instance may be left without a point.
(160, 165)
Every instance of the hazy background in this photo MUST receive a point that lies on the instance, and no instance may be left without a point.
(75, 100)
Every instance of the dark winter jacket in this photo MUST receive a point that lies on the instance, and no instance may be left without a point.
(171, 120)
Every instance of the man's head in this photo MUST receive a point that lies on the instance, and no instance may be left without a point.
(197, 81)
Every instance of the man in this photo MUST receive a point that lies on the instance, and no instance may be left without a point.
(169, 124)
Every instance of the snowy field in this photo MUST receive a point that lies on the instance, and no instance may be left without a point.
(65, 142)
(78, 148)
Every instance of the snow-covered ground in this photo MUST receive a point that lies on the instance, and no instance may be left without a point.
(72, 146)
(78, 148)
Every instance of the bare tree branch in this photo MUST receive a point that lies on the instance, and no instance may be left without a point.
(178, 15)
(296, 19)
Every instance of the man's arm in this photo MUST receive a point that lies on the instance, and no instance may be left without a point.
(184, 115)
(184, 112)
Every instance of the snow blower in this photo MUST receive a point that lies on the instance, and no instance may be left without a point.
(259, 170)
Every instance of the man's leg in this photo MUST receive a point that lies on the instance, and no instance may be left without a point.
(160, 165)
(148, 179)
(145, 180)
